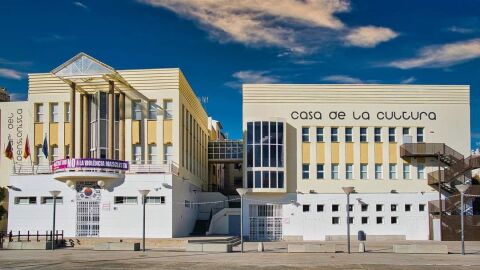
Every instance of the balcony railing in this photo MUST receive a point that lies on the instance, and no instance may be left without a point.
(446, 154)
(167, 167)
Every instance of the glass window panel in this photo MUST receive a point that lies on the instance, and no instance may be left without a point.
(273, 179)
(319, 134)
(280, 179)
(265, 155)
(249, 133)
(257, 133)
(273, 132)
(378, 134)
(334, 135)
(265, 179)
(348, 134)
(280, 133)
(258, 179)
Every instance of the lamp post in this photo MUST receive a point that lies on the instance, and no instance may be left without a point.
(242, 192)
(54, 194)
(348, 191)
(144, 193)
(462, 188)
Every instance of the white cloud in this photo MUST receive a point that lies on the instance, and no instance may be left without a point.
(342, 79)
(80, 4)
(369, 36)
(409, 80)
(4, 61)
(11, 74)
(18, 96)
(461, 30)
(251, 76)
(441, 55)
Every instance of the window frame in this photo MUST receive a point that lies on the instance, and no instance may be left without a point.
(348, 134)
(420, 135)
(363, 134)
(378, 173)
(392, 136)
(377, 136)
(334, 171)
(334, 135)
(363, 171)
(305, 134)
(305, 171)
(319, 134)
(349, 171)
(320, 171)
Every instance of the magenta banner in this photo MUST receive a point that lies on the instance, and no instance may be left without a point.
(63, 164)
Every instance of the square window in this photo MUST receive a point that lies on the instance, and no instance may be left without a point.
(406, 131)
(393, 207)
(379, 220)
(393, 220)
(319, 207)
(350, 220)
(350, 207)
(364, 220)
(364, 207)
(408, 207)
(421, 207)
(335, 220)
(334, 207)
(306, 208)
(379, 207)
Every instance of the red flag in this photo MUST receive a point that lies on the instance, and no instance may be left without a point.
(9, 150)
(26, 150)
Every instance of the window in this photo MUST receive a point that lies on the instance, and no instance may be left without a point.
(67, 112)
(349, 171)
(319, 134)
(137, 154)
(335, 207)
(391, 134)
(420, 138)
(350, 220)
(350, 207)
(421, 207)
(168, 153)
(393, 207)
(49, 200)
(306, 208)
(378, 134)
(305, 171)
(187, 204)
(364, 207)
(364, 220)
(125, 200)
(39, 113)
(136, 110)
(55, 153)
(335, 171)
(335, 220)
(379, 220)
(408, 207)
(378, 171)
(379, 207)
(305, 134)
(405, 131)
(406, 171)
(393, 220)
(25, 200)
(392, 171)
(152, 154)
(168, 107)
(421, 171)
(334, 135)
(54, 113)
(363, 134)
(155, 200)
(152, 110)
(348, 134)
(320, 171)
(363, 171)
(319, 207)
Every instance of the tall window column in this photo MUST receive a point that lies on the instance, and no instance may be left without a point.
(121, 128)
(72, 120)
(111, 120)
(85, 148)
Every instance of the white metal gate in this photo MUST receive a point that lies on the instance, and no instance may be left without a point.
(88, 209)
(265, 222)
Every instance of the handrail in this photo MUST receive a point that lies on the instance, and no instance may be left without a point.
(429, 150)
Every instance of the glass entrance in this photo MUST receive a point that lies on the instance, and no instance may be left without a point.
(88, 209)
(265, 222)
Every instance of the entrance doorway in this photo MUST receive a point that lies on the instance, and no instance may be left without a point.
(88, 209)
(265, 222)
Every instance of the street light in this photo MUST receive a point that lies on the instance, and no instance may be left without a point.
(348, 191)
(144, 193)
(54, 194)
(242, 192)
(462, 188)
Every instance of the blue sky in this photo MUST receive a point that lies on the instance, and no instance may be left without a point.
(221, 43)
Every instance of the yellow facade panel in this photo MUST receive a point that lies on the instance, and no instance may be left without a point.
(38, 130)
(378, 150)
(392, 152)
(349, 158)
(167, 132)
(321, 153)
(135, 132)
(66, 133)
(335, 153)
(53, 134)
(306, 153)
(364, 153)
(152, 132)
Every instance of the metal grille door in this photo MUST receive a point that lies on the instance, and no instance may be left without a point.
(265, 222)
(88, 211)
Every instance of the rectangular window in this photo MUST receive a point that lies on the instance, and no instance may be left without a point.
(393, 207)
(393, 220)
(168, 107)
(67, 112)
(378, 134)
(406, 171)
(39, 113)
(319, 134)
(305, 134)
(364, 207)
(320, 207)
(249, 179)
(305, 171)
(379, 220)
(349, 171)
(25, 200)
(137, 154)
(391, 134)
(320, 171)
(125, 200)
(335, 220)
(420, 138)
(408, 207)
(155, 199)
(392, 171)
(405, 131)
(136, 110)
(421, 171)
(363, 171)
(334, 135)
(421, 207)
(152, 109)
(379, 207)
(335, 207)
(335, 171)
(348, 134)
(306, 208)
(168, 153)
(363, 134)
(54, 117)
(350, 208)
(378, 171)
(49, 200)
(350, 220)
(364, 220)
(152, 154)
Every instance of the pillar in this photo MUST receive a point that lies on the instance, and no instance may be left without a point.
(121, 128)
(72, 120)
(85, 146)
(111, 120)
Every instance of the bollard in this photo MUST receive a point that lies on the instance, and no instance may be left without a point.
(260, 247)
(361, 247)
